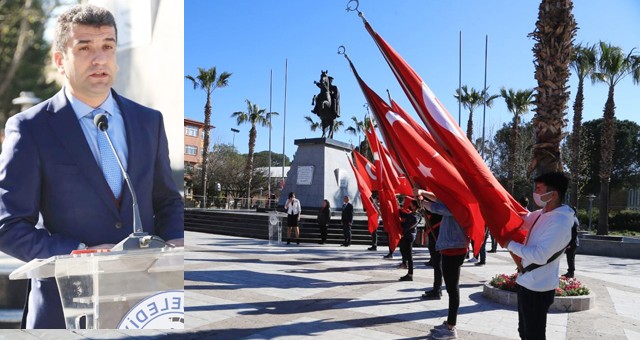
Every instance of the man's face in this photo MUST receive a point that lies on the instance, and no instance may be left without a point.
(547, 193)
(89, 62)
(345, 200)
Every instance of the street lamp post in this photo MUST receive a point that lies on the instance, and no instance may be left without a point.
(234, 136)
(590, 197)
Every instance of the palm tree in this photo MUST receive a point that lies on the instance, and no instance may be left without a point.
(312, 124)
(254, 116)
(472, 99)
(518, 103)
(208, 80)
(612, 66)
(583, 62)
(356, 129)
(337, 124)
(554, 34)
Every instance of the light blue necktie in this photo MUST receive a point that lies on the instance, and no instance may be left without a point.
(109, 165)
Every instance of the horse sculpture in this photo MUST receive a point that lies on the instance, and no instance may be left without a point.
(326, 104)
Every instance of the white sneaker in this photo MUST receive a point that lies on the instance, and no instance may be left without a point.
(444, 334)
(472, 260)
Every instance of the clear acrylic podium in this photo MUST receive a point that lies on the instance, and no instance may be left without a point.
(134, 289)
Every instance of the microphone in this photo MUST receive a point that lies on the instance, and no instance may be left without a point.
(138, 239)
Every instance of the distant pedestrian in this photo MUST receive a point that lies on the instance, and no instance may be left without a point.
(293, 216)
(324, 217)
(572, 247)
(347, 221)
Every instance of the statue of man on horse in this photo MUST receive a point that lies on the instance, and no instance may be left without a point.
(326, 104)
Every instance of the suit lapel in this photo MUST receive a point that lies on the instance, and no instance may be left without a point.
(65, 126)
(131, 127)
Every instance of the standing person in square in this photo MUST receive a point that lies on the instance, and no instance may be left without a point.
(54, 163)
(293, 209)
(324, 217)
(549, 233)
(347, 220)
(452, 244)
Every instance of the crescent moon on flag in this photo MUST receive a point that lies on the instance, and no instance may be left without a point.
(437, 111)
(370, 172)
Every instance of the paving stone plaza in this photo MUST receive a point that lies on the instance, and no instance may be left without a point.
(241, 288)
(244, 288)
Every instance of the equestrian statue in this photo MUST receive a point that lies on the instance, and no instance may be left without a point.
(326, 104)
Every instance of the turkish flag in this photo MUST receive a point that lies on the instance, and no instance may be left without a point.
(386, 190)
(397, 178)
(427, 168)
(367, 171)
(365, 196)
(501, 212)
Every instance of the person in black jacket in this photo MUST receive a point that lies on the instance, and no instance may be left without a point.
(324, 216)
(347, 220)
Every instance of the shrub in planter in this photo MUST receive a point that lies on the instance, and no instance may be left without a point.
(567, 287)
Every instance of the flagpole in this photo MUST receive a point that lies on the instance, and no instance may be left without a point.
(270, 125)
(484, 93)
(460, 79)
(284, 124)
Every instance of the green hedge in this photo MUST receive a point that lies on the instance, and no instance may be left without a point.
(618, 220)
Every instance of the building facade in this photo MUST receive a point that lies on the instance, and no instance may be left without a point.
(193, 145)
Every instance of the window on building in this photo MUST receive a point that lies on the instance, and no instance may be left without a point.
(190, 150)
(191, 130)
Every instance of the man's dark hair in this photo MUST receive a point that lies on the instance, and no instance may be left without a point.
(89, 15)
(557, 181)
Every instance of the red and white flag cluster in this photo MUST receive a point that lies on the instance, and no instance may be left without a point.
(440, 159)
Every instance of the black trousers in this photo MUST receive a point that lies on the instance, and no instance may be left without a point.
(346, 230)
(436, 263)
(406, 249)
(323, 232)
(532, 313)
(374, 238)
(571, 259)
(451, 272)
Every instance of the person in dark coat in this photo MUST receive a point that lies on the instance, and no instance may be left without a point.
(347, 220)
(324, 217)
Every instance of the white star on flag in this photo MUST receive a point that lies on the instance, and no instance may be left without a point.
(426, 171)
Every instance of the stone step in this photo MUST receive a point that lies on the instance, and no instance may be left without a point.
(10, 318)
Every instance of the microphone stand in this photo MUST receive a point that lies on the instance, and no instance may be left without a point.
(138, 239)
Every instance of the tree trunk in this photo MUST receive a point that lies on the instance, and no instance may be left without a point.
(554, 34)
(578, 105)
(205, 147)
(470, 126)
(249, 169)
(606, 161)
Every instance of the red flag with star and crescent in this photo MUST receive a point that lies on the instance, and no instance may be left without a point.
(365, 194)
(426, 167)
(500, 210)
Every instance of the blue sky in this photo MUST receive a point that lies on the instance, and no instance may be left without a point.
(251, 38)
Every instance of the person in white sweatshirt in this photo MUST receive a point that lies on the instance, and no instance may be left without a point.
(549, 233)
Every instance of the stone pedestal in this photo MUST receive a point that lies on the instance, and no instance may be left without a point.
(320, 170)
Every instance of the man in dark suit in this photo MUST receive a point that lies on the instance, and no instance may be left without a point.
(347, 220)
(53, 163)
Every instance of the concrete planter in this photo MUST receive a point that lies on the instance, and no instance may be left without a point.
(560, 303)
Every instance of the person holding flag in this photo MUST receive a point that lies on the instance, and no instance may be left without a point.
(452, 244)
(409, 224)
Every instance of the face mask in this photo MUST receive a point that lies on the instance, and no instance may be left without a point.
(538, 199)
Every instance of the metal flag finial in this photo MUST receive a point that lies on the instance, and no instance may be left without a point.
(352, 6)
(343, 51)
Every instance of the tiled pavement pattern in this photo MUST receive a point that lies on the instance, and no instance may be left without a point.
(244, 288)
